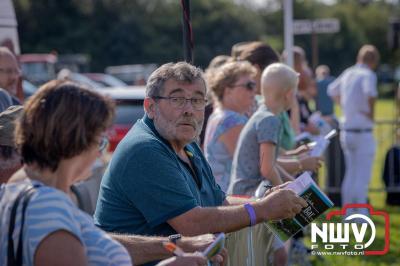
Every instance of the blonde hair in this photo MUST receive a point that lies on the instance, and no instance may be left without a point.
(281, 75)
(368, 54)
(226, 76)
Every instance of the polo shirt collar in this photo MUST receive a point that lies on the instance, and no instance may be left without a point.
(190, 151)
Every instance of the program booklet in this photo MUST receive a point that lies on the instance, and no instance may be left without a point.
(215, 247)
(318, 203)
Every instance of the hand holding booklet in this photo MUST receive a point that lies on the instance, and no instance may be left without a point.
(318, 203)
(215, 247)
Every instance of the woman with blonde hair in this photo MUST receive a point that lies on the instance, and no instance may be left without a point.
(233, 89)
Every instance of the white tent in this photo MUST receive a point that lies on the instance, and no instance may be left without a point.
(8, 24)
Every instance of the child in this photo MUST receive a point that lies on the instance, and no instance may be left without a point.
(257, 149)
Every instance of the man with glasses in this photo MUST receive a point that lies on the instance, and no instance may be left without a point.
(9, 73)
(158, 181)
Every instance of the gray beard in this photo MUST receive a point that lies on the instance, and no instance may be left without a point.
(162, 129)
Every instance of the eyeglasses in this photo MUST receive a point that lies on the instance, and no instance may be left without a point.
(250, 85)
(180, 102)
(10, 71)
(103, 143)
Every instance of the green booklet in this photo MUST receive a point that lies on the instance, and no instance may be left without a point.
(317, 201)
(215, 247)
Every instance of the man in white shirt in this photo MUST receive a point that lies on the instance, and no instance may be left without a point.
(356, 90)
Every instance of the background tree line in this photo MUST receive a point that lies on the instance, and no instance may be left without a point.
(114, 32)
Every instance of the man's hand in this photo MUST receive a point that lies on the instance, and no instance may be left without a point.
(200, 243)
(279, 204)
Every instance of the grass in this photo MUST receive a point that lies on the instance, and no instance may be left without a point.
(385, 137)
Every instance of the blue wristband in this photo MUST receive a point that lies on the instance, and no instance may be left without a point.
(252, 214)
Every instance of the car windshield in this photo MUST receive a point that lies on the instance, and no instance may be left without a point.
(128, 112)
(112, 81)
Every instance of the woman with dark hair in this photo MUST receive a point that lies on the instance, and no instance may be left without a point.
(59, 136)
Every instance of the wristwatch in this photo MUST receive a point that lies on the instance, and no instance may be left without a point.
(174, 238)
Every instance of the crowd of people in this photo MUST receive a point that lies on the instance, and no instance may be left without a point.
(167, 181)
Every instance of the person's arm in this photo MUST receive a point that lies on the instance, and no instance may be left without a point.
(144, 249)
(230, 138)
(295, 166)
(285, 176)
(56, 249)
(237, 200)
(267, 163)
(371, 103)
(334, 90)
(295, 116)
(299, 150)
(279, 204)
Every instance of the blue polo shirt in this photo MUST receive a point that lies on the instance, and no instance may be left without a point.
(146, 184)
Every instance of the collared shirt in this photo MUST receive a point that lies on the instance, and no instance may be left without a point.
(355, 86)
(146, 184)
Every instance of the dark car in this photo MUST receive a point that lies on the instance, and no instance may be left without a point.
(129, 108)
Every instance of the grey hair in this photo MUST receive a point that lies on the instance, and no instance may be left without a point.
(181, 72)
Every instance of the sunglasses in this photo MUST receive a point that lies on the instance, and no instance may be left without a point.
(103, 143)
(250, 85)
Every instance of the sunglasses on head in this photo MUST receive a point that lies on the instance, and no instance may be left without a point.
(250, 85)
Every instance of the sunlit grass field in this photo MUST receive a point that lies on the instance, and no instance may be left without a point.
(385, 137)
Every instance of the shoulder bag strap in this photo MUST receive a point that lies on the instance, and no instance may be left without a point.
(12, 258)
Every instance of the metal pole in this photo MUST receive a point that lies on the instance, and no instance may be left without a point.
(288, 30)
(187, 32)
(314, 48)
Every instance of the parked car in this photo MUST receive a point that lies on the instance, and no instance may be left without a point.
(78, 78)
(38, 68)
(132, 74)
(129, 108)
(106, 79)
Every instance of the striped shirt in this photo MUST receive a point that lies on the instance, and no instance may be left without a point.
(51, 210)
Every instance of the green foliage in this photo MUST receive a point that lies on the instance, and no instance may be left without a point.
(142, 31)
(126, 32)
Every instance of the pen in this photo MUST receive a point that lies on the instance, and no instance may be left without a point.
(173, 248)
